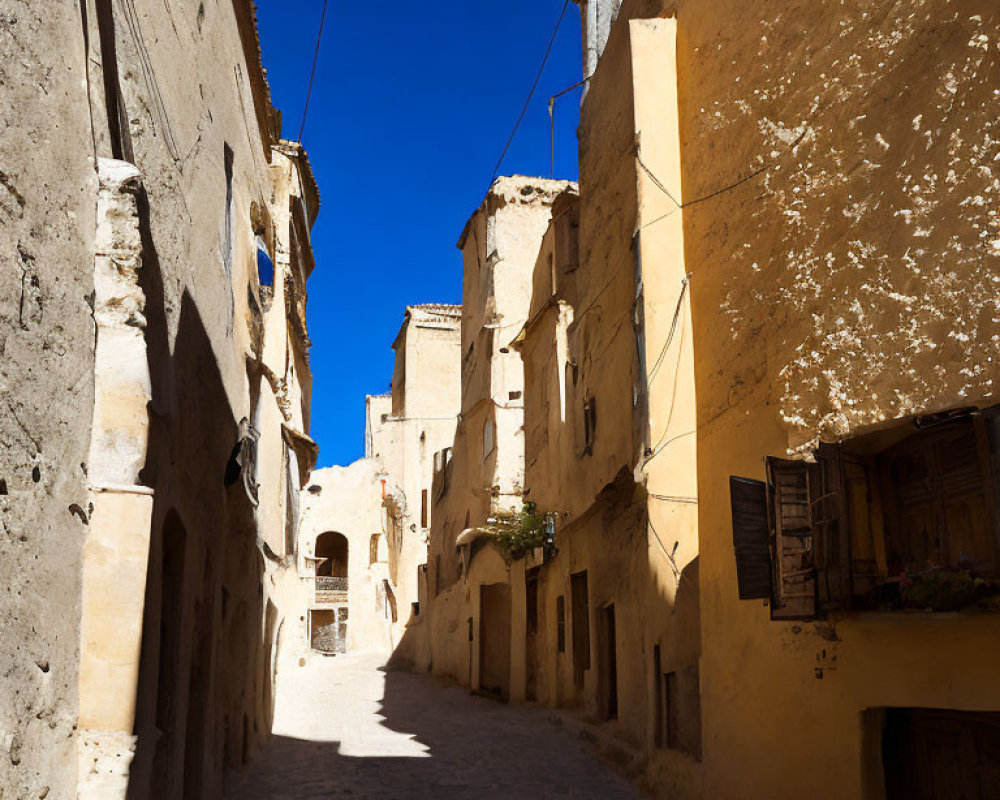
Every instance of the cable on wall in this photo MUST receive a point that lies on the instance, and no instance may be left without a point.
(312, 72)
(534, 86)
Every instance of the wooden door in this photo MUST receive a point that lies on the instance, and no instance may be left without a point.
(494, 639)
(932, 754)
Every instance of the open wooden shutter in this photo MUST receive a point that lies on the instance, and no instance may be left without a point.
(795, 575)
(751, 538)
(831, 529)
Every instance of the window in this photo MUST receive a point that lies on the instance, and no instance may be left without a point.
(488, 443)
(423, 508)
(561, 623)
(265, 266)
(589, 425)
(373, 543)
(227, 219)
(904, 517)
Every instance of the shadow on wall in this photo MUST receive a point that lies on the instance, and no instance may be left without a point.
(203, 696)
(424, 741)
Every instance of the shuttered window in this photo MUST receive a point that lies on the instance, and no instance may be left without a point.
(751, 538)
(872, 517)
(794, 579)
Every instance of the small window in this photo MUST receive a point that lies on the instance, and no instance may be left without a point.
(423, 509)
(589, 425)
(227, 219)
(488, 443)
(514, 395)
(265, 266)
(561, 623)
(373, 548)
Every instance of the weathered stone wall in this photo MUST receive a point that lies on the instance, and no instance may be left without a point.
(48, 196)
(172, 97)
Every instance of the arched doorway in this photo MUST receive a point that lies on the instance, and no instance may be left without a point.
(332, 547)
(328, 618)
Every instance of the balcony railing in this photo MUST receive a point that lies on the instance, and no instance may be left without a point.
(331, 590)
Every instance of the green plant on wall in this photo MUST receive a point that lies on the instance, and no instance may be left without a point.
(518, 532)
(943, 590)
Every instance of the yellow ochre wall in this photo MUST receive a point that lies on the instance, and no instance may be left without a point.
(842, 239)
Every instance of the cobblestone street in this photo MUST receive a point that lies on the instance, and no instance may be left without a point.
(345, 728)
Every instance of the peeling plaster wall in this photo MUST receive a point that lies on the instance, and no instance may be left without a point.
(877, 124)
(48, 195)
(174, 93)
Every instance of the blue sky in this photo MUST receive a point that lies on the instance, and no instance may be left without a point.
(410, 110)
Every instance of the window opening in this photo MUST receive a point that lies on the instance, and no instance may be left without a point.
(227, 220)
(488, 443)
(589, 425)
(901, 518)
(265, 266)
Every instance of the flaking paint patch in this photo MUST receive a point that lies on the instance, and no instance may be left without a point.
(877, 237)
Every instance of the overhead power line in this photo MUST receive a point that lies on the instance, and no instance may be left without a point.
(534, 86)
(312, 72)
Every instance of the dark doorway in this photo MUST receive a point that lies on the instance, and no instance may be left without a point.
(531, 627)
(659, 712)
(332, 547)
(199, 695)
(937, 754)
(174, 539)
(581, 627)
(607, 644)
(494, 639)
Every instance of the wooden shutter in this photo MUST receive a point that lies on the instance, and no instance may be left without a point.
(831, 529)
(794, 573)
(751, 538)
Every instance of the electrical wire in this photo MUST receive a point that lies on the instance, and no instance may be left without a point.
(312, 73)
(673, 499)
(673, 329)
(534, 86)
(722, 190)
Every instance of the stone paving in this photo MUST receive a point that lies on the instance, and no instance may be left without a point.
(344, 728)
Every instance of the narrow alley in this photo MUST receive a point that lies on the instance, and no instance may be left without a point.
(346, 727)
(585, 399)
